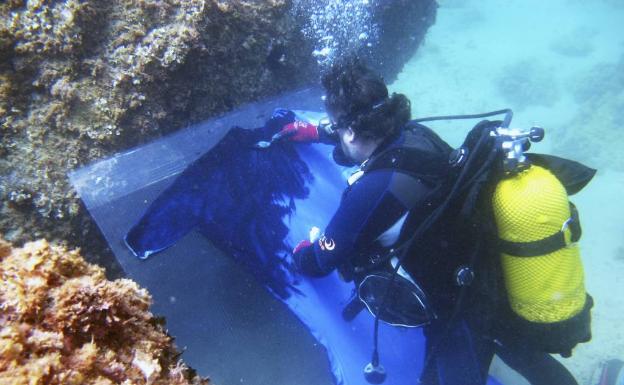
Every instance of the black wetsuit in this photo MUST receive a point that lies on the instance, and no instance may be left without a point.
(372, 218)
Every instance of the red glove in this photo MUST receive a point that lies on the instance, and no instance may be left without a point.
(299, 131)
(302, 245)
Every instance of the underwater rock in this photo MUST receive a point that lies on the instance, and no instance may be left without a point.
(80, 80)
(528, 83)
(599, 92)
(576, 44)
(62, 322)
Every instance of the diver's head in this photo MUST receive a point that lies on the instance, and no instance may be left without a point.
(358, 104)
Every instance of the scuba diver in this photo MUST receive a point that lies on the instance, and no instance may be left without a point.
(451, 270)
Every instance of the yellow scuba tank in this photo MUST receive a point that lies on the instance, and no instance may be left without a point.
(541, 262)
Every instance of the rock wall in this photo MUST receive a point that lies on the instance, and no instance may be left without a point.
(80, 80)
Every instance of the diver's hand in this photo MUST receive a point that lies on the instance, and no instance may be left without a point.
(300, 254)
(282, 113)
(313, 236)
(305, 262)
(301, 245)
(280, 118)
(299, 131)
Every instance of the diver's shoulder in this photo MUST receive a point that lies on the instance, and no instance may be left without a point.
(419, 136)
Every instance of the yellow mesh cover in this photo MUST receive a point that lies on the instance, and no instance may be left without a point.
(528, 207)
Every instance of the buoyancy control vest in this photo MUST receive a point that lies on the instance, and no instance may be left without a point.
(537, 227)
(437, 266)
(423, 158)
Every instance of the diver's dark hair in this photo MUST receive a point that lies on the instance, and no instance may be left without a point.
(358, 98)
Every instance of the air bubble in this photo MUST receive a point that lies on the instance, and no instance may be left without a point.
(336, 27)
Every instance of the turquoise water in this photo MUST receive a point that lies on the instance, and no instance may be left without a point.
(558, 64)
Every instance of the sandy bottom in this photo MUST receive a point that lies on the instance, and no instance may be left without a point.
(540, 58)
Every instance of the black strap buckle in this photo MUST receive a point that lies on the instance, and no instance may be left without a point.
(549, 244)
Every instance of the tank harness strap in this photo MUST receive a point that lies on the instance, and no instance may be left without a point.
(546, 245)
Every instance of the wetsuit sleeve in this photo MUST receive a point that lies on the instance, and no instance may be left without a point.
(367, 210)
(306, 263)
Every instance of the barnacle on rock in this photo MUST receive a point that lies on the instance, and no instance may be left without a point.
(62, 322)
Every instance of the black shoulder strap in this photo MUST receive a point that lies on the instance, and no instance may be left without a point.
(413, 161)
(423, 155)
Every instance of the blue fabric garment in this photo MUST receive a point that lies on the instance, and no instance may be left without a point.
(237, 197)
(255, 204)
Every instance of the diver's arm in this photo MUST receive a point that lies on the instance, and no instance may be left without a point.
(306, 262)
(365, 212)
(295, 129)
(299, 131)
(306, 132)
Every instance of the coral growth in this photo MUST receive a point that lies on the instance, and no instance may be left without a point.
(62, 322)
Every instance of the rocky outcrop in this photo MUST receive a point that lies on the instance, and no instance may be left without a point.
(62, 322)
(80, 80)
(599, 93)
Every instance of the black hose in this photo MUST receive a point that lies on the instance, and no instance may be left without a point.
(508, 116)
